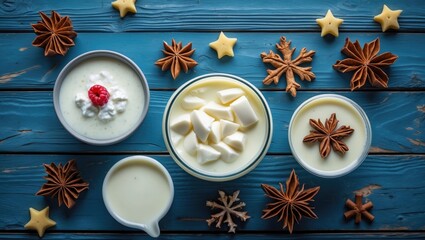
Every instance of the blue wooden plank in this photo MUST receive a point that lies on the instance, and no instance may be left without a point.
(397, 204)
(163, 15)
(24, 66)
(397, 120)
(197, 236)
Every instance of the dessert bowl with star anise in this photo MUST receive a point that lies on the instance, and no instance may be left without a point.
(101, 97)
(329, 135)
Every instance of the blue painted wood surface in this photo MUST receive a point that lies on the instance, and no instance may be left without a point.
(213, 15)
(396, 176)
(396, 118)
(35, 71)
(30, 133)
(255, 236)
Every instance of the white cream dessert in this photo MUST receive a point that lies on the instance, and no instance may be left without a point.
(109, 118)
(307, 153)
(218, 125)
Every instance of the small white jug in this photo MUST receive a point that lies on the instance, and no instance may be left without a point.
(134, 177)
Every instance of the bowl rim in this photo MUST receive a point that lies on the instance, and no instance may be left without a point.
(75, 62)
(141, 159)
(215, 177)
(347, 169)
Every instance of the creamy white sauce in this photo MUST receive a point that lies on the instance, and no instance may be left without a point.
(126, 92)
(138, 192)
(322, 109)
(256, 135)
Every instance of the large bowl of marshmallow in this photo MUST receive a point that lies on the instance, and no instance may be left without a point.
(217, 127)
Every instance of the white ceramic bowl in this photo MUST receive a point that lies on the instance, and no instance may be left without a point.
(249, 162)
(92, 55)
(308, 155)
(150, 227)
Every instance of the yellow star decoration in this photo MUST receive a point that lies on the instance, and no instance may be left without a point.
(40, 221)
(124, 6)
(388, 18)
(329, 24)
(224, 46)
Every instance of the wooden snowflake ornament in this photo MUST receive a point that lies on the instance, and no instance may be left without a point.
(227, 208)
(288, 66)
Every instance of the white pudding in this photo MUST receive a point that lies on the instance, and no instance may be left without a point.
(226, 141)
(117, 118)
(347, 113)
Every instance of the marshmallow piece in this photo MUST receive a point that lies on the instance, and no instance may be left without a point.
(215, 135)
(228, 128)
(201, 123)
(236, 141)
(190, 143)
(218, 111)
(244, 111)
(176, 138)
(192, 102)
(181, 124)
(229, 95)
(207, 154)
(227, 153)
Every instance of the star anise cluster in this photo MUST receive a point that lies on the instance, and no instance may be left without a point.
(328, 135)
(366, 63)
(358, 209)
(176, 58)
(290, 204)
(63, 182)
(54, 34)
(288, 66)
(228, 208)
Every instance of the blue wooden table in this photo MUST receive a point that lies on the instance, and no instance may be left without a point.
(31, 134)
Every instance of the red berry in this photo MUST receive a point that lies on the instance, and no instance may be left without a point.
(98, 95)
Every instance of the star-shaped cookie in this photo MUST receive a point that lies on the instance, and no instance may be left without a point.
(224, 46)
(329, 24)
(388, 18)
(125, 6)
(40, 221)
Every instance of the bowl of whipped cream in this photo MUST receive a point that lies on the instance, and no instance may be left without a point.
(101, 97)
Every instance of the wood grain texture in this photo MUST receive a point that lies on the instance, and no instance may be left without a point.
(30, 133)
(29, 123)
(189, 15)
(25, 67)
(397, 204)
(166, 236)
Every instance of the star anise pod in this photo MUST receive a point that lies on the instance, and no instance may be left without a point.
(63, 182)
(55, 34)
(366, 63)
(328, 135)
(358, 209)
(228, 207)
(288, 66)
(290, 205)
(176, 58)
